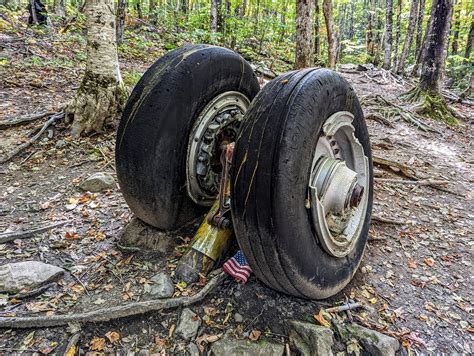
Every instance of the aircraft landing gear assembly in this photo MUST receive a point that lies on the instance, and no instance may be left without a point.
(287, 169)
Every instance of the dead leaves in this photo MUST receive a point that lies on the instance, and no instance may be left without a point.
(113, 336)
(321, 318)
(255, 335)
(429, 261)
(97, 344)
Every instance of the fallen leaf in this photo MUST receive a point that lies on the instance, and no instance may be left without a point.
(113, 336)
(321, 320)
(97, 344)
(429, 261)
(255, 335)
(412, 264)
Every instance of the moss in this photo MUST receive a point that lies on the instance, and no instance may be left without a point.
(92, 83)
(430, 104)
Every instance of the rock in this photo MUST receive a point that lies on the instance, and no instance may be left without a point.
(98, 182)
(60, 144)
(375, 343)
(193, 349)
(138, 234)
(15, 277)
(238, 318)
(189, 323)
(310, 339)
(162, 286)
(228, 346)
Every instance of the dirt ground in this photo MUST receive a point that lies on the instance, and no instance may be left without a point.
(416, 273)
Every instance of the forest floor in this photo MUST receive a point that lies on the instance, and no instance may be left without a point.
(416, 272)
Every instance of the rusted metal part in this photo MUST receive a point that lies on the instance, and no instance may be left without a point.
(221, 218)
(208, 245)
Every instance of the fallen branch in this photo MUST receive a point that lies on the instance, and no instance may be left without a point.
(344, 307)
(10, 236)
(387, 221)
(380, 119)
(28, 143)
(33, 293)
(406, 171)
(429, 182)
(23, 119)
(112, 313)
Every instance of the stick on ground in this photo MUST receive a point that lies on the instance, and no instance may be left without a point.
(10, 236)
(111, 313)
(28, 143)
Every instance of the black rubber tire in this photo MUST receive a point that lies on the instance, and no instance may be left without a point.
(152, 137)
(270, 175)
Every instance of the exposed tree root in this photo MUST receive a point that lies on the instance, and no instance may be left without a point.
(97, 102)
(23, 119)
(387, 110)
(431, 105)
(28, 143)
(111, 313)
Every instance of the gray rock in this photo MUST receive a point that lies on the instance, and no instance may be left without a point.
(15, 277)
(310, 339)
(228, 346)
(238, 318)
(189, 323)
(375, 343)
(162, 286)
(193, 349)
(60, 144)
(140, 235)
(98, 182)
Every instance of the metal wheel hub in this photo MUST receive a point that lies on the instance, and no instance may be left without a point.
(217, 125)
(339, 177)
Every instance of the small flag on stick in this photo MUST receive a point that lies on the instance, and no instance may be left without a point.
(238, 268)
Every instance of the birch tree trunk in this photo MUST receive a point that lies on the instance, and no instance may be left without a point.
(304, 34)
(214, 5)
(332, 43)
(409, 37)
(436, 47)
(101, 94)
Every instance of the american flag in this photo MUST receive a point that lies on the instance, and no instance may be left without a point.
(238, 268)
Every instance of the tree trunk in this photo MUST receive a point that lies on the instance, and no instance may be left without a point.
(456, 25)
(436, 47)
(317, 40)
(304, 33)
(244, 8)
(59, 8)
(397, 36)
(101, 94)
(387, 57)
(409, 37)
(120, 20)
(215, 14)
(370, 31)
(332, 43)
(283, 20)
(138, 6)
(151, 11)
(419, 27)
(350, 33)
(470, 39)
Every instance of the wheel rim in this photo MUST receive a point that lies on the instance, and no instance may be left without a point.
(217, 124)
(338, 186)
